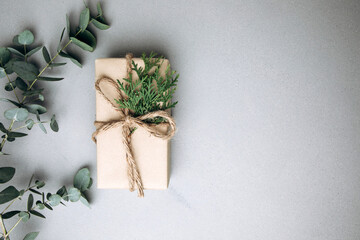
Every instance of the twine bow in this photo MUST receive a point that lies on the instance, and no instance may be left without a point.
(128, 122)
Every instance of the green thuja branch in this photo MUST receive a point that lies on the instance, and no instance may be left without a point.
(151, 91)
(37, 200)
(15, 61)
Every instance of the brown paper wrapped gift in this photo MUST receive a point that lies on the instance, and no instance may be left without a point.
(151, 153)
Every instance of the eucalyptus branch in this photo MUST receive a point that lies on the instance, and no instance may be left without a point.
(28, 74)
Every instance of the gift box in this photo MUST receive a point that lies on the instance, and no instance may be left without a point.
(151, 153)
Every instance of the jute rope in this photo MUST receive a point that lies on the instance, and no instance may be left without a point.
(128, 122)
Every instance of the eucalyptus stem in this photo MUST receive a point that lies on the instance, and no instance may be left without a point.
(3, 228)
(7, 76)
(5, 138)
(13, 227)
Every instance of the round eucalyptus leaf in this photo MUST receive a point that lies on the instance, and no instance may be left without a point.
(82, 179)
(74, 194)
(2, 72)
(6, 174)
(17, 114)
(16, 40)
(4, 55)
(29, 123)
(25, 70)
(35, 108)
(40, 205)
(26, 37)
(24, 216)
(55, 200)
(39, 184)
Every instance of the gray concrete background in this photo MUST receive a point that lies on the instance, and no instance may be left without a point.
(268, 118)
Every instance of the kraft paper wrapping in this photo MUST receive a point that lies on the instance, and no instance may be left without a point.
(152, 154)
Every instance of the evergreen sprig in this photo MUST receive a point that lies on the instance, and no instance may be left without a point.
(151, 91)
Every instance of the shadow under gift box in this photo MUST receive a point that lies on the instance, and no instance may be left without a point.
(152, 154)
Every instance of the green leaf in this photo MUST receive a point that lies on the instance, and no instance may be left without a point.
(100, 25)
(53, 124)
(46, 55)
(52, 79)
(61, 37)
(21, 84)
(42, 127)
(82, 179)
(26, 38)
(40, 205)
(24, 216)
(3, 129)
(55, 200)
(6, 174)
(41, 97)
(84, 200)
(56, 64)
(4, 55)
(90, 184)
(33, 92)
(22, 191)
(34, 191)
(74, 194)
(29, 123)
(31, 236)
(9, 66)
(16, 40)
(63, 193)
(73, 59)
(84, 19)
(99, 9)
(25, 70)
(16, 52)
(17, 114)
(10, 139)
(68, 26)
(10, 101)
(30, 202)
(8, 194)
(36, 213)
(9, 214)
(86, 40)
(35, 108)
(48, 206)
(35, 50)
(2, 72)
(10, 86)
(39, 184)
(16, 134)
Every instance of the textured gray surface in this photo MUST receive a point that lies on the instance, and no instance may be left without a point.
(268, 138)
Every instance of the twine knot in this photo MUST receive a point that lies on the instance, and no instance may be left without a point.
(127, 122)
